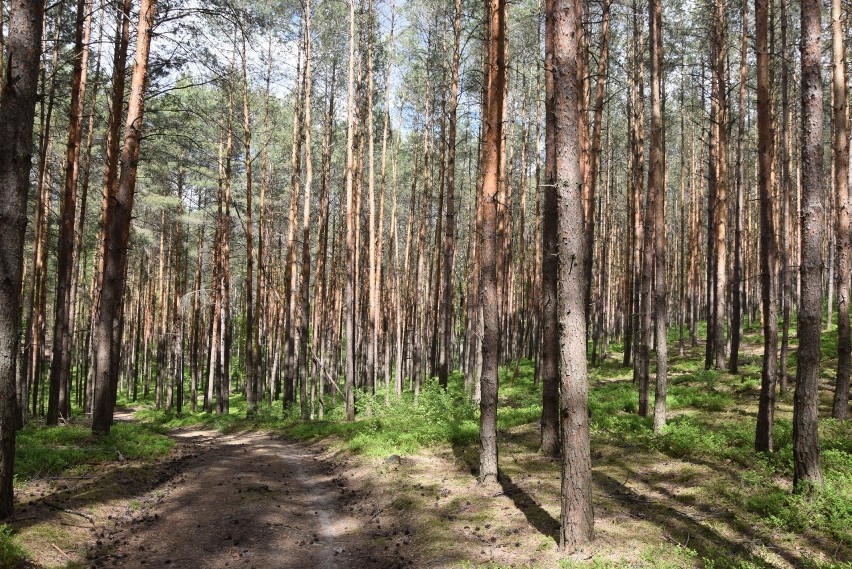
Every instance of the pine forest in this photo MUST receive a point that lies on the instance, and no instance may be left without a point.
(425, 283)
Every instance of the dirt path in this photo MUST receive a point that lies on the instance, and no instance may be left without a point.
(254, 501)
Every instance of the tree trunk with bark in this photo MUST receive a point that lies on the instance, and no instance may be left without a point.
(490, 170)
(768, 247)
(17, 112)
(843, 221)
(118, 216)
(656, 186)
(59, 405)
(349, 378)
(550, 262)
(807, 474)
(577, 515)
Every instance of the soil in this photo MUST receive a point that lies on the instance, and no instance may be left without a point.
(252, 500)
(256, 501)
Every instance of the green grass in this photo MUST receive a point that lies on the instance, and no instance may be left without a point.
(12, 555)
(51, 451)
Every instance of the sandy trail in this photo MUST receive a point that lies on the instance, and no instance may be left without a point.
(251, 500)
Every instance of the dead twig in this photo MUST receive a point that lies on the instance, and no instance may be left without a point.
(60, 551)
(67, 511)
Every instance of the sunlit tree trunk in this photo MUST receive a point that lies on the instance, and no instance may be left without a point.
(118, 215)
(349, 378)
(720, 203)
(490, 167)
(59, 404)
(304, 356)
(737, 286)
(577, 516)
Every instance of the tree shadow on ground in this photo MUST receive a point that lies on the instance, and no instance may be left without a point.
(686, 528)
(537, 516)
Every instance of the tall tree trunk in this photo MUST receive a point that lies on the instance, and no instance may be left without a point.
(380, 274)
(768, 247)
(322, 303)
(450, 229)
(371, 333)
(110, 178)
(656, 187)
(118, 215)
(252, 380)
(17, 112)
(643, 356)
(306, 228)
(60, 367)
(550, 262)
(639, 367)
(349, 378)
(577, 516)
(786, 223)
(595, 154)
(737, 287)
(290, 274)
(35, 321)
(806, 460)
(843, 223)
(720, 203)
(495, 55)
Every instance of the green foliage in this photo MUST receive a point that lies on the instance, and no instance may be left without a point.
(404, 426)
(829, 510)
(679, 397)
(12, 555)
(46, 451)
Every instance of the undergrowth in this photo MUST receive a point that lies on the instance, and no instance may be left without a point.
(12, 555)
(69, 449)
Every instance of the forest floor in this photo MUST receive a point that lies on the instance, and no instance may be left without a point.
(397, 487)
(248, 499)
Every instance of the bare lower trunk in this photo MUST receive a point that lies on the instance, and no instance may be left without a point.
(577, 516)
(806, 456)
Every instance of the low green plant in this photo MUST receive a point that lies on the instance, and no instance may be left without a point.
(12, 555)
(46, 451)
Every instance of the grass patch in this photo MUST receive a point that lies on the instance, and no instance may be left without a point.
(52, 451)
(12, 555)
